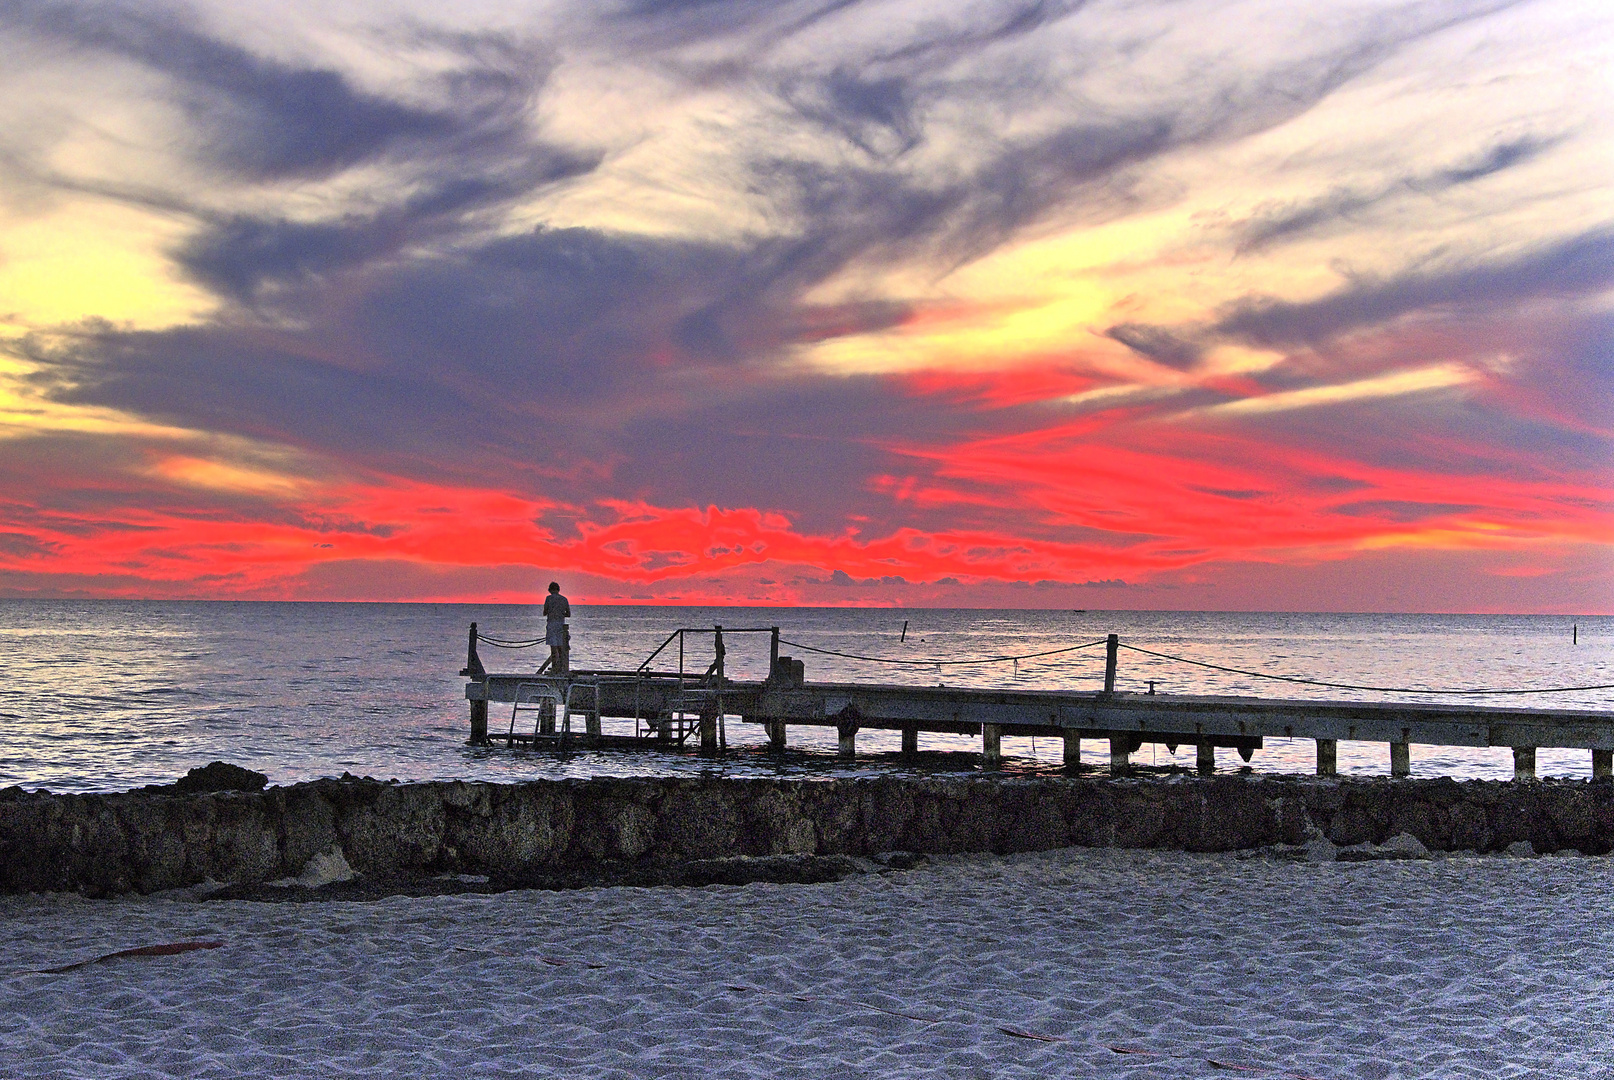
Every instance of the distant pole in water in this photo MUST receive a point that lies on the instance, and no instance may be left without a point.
(1574, 632)
(904, 630)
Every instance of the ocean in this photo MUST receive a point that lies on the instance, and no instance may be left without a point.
(105, 695)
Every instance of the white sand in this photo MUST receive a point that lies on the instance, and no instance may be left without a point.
(1464, 967)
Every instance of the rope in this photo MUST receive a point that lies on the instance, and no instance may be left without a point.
(1352, 686)
(938, 663)
(503, 644)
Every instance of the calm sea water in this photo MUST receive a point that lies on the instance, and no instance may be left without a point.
(107, 695)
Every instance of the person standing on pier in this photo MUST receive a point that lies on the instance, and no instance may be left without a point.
(557, 609)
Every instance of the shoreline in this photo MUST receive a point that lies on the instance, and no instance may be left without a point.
(571, 833)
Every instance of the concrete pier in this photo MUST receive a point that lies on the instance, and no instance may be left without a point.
(1127, 720)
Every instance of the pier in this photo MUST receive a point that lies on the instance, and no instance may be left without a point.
(672, 707)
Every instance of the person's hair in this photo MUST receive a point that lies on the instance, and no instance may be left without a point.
(554, 586)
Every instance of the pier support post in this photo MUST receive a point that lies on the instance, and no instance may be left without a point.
(848, 746)
(1120, 755)
(1327, 757)
(1602, 764)
(479, 723)
(991, 746)
(709, 732)
(1524, 763)
(1206, 759)
(546, 718)
(1400, 759)
(1073, 748)
(910, 741)
(776, 733)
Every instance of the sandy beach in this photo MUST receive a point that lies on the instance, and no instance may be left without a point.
(1079, 962)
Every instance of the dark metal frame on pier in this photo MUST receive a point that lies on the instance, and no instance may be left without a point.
(668, 707)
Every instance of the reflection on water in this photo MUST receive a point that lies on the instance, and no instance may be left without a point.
(105, 695)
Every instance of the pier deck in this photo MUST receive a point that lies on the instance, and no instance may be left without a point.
(1126, 720)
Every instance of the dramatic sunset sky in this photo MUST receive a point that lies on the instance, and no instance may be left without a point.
(1124, 304)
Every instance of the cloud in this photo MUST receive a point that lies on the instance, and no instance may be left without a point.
(1343, 204)
(257, 116)
(1569, 268)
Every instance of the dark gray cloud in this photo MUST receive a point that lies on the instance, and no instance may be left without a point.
(1158, 344)
(260, 117)
(1341, 205)
(1570, 268)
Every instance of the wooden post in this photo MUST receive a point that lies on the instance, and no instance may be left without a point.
(546, 718)
(1327, 757)
(479, 723)
(776, 733)
(848, 747)
(773, 650)
(910, 740)
(709, 731)
(1206, 759)
(1111, 645)
(1120, 754)
(1073, 747)
(1602, 764)
(1524, 763)
(991, 746)
(1400, 759)
(473, 663)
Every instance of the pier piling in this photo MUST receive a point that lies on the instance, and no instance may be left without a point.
(1206, 759)
(1524, 763)
(991, 746)
(1120, 755)
(1602, 764)
(1327, 757)
(1400, 759)
(910, 740)
(1073, 748)
(479, 723)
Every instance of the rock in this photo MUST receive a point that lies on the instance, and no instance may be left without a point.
(324, 868)
(1520, 849)
(1400, 846)
(221, 776)
(1322, 850)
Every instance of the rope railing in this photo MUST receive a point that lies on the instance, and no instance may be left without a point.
(1015, 658)
(1353, 686)
(504, 644)
(939, 662)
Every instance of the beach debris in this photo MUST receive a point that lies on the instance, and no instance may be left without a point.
(1018, 1034)
(1132, 1050)
(169, 949)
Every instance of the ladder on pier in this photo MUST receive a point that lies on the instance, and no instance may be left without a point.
(682, 718)
(551, 701)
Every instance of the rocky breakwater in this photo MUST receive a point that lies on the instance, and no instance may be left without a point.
(580, 831)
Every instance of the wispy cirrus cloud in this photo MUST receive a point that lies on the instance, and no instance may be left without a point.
(426, 282)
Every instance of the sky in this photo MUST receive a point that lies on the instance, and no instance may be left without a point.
(1175, 304)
